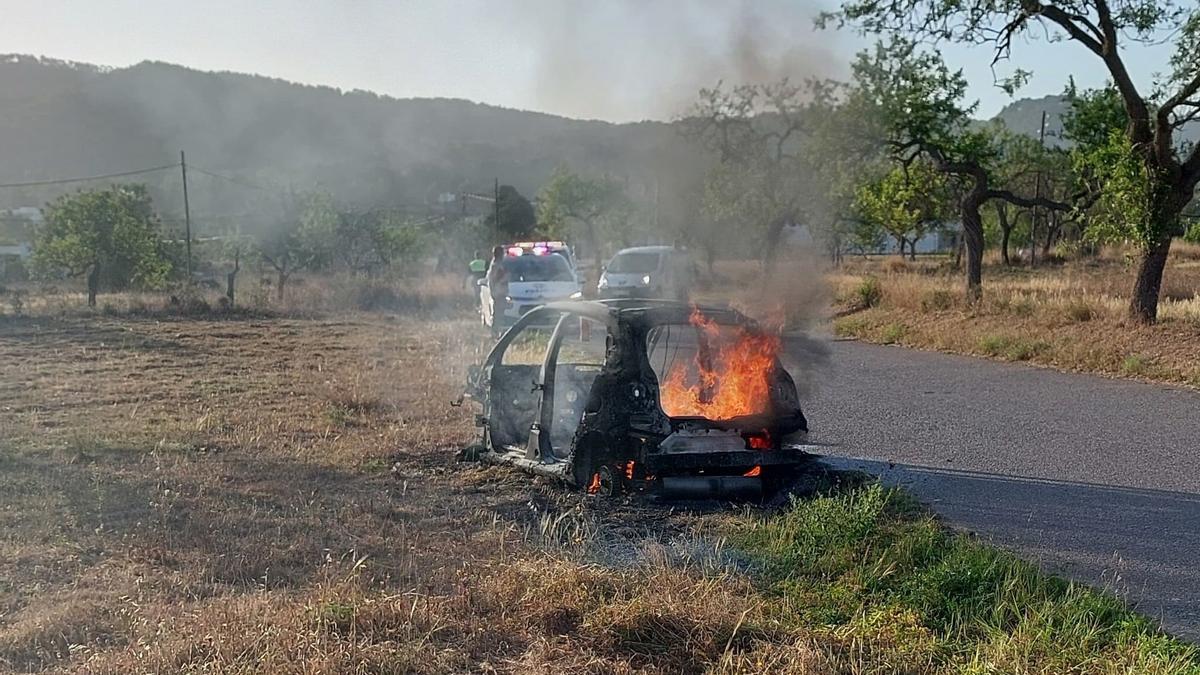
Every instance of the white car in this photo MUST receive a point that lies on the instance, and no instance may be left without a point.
(647, 272)
(533, 280)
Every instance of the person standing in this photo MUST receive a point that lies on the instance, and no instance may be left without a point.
(497, 281)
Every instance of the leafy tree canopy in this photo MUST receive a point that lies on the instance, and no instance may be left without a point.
(113, 235)
(517, 217)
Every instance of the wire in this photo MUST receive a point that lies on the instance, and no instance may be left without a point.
(236, 181)
(60, 181)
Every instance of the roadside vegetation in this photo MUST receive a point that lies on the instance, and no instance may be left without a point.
(1067, 314)
(267, 492)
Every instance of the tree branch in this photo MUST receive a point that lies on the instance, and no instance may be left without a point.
(1027, 202)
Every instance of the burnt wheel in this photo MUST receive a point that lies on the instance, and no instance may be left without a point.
(606, 482)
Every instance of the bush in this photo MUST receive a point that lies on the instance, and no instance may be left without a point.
(1011, 348)
(1192, 236)
(868, 293)
(937, 300)
(1080, 311)
(1135, 364)
(893, 333)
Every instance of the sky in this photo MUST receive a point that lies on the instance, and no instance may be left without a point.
(618, 60)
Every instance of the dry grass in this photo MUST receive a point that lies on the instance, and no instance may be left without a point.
(438, 295)
(267, 494)
(1071, 316)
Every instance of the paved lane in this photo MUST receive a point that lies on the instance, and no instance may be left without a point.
(1098, 479)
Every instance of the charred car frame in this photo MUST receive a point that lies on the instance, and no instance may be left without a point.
(583, 406)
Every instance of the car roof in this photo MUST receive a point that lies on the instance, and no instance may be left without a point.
(648, 249)
(645, 310)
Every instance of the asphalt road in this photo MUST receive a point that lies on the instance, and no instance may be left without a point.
(1093, 478)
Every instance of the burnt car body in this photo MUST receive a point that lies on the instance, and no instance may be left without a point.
(584, 407)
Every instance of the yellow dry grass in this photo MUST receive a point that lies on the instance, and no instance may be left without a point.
(1070, 315)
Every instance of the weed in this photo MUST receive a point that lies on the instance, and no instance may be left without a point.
(1023, 349)
(937, 300)
(1135, 364)
(850, 326)
(994, 345)
(893, 333)
(1080, 310)
(868, 293)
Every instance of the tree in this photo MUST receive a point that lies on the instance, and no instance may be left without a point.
(112, 235)
(1169, 171)
(517, 218)
(369, 241)
(764, 180)
(912, 101)
(906, 203)
(598, 205)
(302, 239)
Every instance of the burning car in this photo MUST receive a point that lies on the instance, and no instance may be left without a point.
(640, 395)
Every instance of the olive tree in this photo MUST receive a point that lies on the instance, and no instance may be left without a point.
(1151, 170)
(914, 104)
(112, 235)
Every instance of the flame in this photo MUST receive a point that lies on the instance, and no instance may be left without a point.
(629, 469)
(756, 471)
(733, 373)
(759, 441)
(594, 487)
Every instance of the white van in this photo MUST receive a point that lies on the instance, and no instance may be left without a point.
(647, 272)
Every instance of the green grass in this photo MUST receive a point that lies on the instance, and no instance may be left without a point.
(1135, 364)
(893, 333)
(874, 571)
(1011, 348)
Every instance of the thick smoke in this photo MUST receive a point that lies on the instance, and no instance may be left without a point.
(628, 60)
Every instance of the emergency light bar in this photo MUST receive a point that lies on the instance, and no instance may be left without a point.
(534, 247)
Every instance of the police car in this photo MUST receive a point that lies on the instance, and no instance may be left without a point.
(538, 272)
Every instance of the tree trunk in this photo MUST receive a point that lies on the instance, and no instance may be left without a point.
(1052, 229)
(912, 249)
(900, 246)
(280, 281)
(1005, 230)
(93, 284)
(1143, 305)
(973, 240)
(774, 235)
(231, 278)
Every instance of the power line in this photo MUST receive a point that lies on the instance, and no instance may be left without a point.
(60, 181)
(236, 181)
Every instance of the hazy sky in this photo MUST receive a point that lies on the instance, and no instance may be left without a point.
(610, 59)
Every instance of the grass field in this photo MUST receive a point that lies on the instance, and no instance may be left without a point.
(1068, 315)
(263, 493)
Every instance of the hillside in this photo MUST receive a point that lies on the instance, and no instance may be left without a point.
(65, 119)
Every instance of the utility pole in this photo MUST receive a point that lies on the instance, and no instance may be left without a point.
(1037, 194)
(496, 212)
(187, 216)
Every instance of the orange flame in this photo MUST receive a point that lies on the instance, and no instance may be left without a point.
(732, 373)
(759, 441)
(629, 469)
(756, 471)
(594, 487)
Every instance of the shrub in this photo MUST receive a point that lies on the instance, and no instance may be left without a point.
(868, 293)
(893, 333)
(1080, 310)
(1135, 364)
(937, 300)
(1023, 350)
(849, 327)
(993, 345)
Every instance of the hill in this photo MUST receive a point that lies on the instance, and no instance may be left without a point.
(67, 119)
